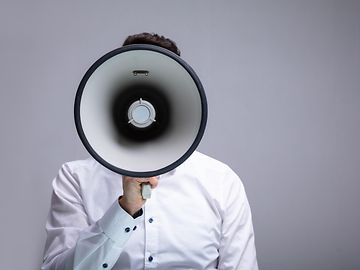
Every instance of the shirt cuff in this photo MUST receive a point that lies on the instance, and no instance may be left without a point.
(117, 224)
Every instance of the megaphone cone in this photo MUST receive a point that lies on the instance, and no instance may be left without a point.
(140, 110)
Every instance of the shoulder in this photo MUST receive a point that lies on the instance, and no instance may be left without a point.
(80, 166)
(212, 178)
(204, 162)
(211, 169)
(76, 171)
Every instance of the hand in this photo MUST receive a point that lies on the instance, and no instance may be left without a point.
(132, 201)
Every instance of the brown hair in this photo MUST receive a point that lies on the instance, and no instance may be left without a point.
(152, 39)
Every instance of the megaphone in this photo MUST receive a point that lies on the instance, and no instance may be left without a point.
(140, 110)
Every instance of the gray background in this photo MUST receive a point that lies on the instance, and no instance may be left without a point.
(282, 79)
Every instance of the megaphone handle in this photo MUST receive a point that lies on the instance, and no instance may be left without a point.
(146, 191)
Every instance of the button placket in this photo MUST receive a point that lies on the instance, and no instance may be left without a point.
(151, 232)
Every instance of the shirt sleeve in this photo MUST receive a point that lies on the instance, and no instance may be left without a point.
(73, 243)
(237, 246)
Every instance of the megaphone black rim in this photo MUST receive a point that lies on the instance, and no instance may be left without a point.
(80, 130)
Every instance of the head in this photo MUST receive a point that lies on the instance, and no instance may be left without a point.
(152, 39)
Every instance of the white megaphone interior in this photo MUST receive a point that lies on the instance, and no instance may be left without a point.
(96, 114)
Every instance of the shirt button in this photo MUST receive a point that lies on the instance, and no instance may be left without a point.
(105, 265)
(127, 229)
(134, 228)
(150, 258)
(151, 220)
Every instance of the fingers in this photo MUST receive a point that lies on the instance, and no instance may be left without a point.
(132, 199)
(153, 181)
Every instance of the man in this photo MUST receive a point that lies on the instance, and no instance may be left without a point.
(197, 218)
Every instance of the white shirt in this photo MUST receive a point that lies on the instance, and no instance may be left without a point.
(198, 217)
